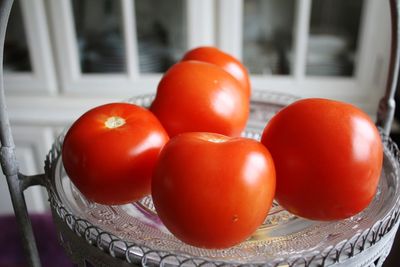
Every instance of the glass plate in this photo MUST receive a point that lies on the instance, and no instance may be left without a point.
(134, 231)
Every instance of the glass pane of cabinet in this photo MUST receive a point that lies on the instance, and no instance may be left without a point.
(268, 36)
(99, 31)
(161, 33)
(16, 51)
(332, 43)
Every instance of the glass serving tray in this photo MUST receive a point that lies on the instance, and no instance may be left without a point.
(134, 231)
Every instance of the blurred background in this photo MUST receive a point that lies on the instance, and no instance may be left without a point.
(63, 57)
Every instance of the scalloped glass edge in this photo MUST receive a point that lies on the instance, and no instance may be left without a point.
(132, 252)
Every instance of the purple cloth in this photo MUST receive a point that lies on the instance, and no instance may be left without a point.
(50, 250)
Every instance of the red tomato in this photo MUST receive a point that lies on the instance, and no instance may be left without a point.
(195, 96)
(227, 62)
(213, 191)
(110, 152)
(328, 158)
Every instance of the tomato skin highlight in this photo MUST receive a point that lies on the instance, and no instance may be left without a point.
(328, 157)
(213, 191)
(227, 62)
(195, 96)
(110, 152)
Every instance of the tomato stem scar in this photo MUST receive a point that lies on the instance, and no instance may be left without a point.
(235, 218)
(114, 122)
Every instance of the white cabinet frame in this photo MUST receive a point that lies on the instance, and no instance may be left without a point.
(220, 23)
(201, 23)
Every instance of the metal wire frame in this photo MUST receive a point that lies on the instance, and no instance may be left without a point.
(387, 104)
(18, 182)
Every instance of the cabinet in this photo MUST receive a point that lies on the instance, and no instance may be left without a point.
(66, 56)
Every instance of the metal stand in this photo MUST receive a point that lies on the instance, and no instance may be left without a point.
(18, 183)
(387, 104)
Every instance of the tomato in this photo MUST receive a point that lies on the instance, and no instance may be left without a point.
(227, 62)
(195, 96)
(328, 158)
(213, 191)
(110, 152)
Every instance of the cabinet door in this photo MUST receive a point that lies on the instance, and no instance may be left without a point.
(122, 47)
(28, 62)
(33, 143)
(313, 48)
